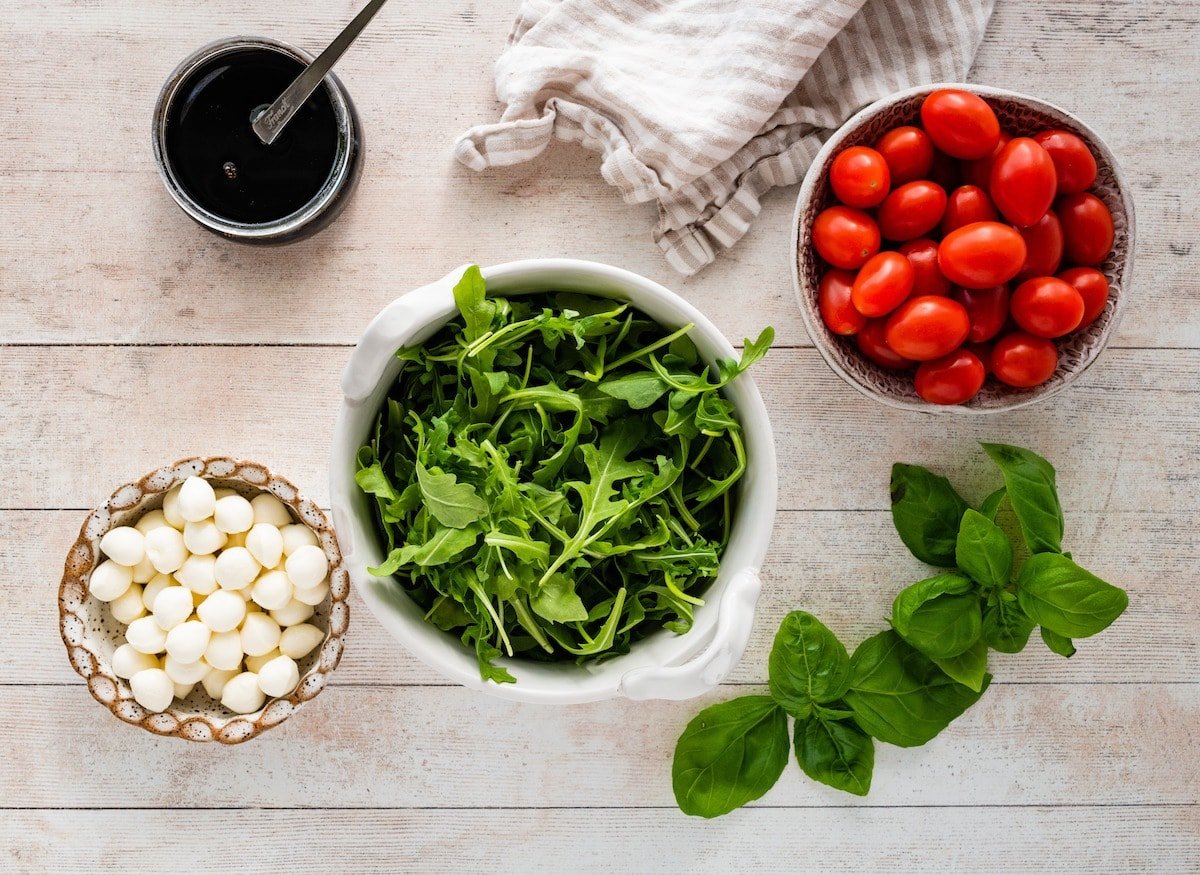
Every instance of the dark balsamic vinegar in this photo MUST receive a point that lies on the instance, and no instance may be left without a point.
(219, 160)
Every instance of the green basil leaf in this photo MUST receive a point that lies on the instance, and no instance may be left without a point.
(1032, 493)
(807, 665)
(969, 668)
(1065, 598)
(730, 754)
(1057, 643)
(452, 504)
(926, 511)
(836, 753)
(939, 616)
(1005, 626)
(991, 504)
(982, 550)
(899, 696)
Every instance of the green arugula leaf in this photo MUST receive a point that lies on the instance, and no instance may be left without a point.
(1005, 626)
(1066, 599)
(982, 550)
(939, 616)
(926, 511)
(1032, 494)
(557, 601)
(1059, 644)
(438, 550)
(373, 481)
(730, 754)
(808, 665)
(638, 390)
(836, 753)
(470, 296)
(899, 696)
(453, 504)
(969, 668)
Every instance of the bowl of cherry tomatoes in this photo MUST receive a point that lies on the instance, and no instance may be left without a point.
(964, 249)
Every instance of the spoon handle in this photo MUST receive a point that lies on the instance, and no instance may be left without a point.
(271, 121)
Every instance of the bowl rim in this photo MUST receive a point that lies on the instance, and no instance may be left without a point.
(805, 194)
(113, 692)
(426, 308)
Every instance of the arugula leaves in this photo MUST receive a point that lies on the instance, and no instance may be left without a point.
(906, 684)
(553, 475)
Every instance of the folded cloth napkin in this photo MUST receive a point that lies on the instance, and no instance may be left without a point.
(704, 105)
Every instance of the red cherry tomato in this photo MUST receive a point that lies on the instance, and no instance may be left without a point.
(1043, 247)
(960, 123)
(884, 281)
(873, 346)
(1023, 360)
(912, 210)
(1092, 286)
(951, 379)
(981, 255)
(908, 153)
(1087, 228)
(927, 328)
(845, 237)
(966, 205)
(979, 171)
(1023, 182)
(860, 177)
(987, 310)
(1073, 161)
(833, 300)
(1047, 306)
(923, 256)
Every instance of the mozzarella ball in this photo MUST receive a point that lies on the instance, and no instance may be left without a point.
(272, 590)
(313, 596)
(296, 536)
(110, 580)
(224, 650)
(188, 641)
(279, 676)
(242, 694)
(128, 607)
(236, 568)
(185, 672)
(150, 521)
(203, 537)
(165, 549)
(214, 682)
(269, 509)
(222, 611)
(182, 691)
(171, 607)
(124, 545)
(292, 613)
(260, 634)
(233, 514)
(144, 570)
(153, 689)
(254, 663)
(146, 636)
(307, 566)
(265, 544)
(197, 501)
(199, 574)
(155, 585)
(299, 640)
(170, 509)
(127, 661)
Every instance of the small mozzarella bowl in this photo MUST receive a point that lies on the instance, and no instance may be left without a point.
(661, 666)
(91, 634)
(1020, 115)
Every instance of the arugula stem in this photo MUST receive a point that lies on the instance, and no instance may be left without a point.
(645, 350)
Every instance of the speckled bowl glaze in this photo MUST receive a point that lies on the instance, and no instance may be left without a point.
(1021, 115)
(91, 634)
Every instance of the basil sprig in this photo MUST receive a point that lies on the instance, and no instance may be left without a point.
(904, 685)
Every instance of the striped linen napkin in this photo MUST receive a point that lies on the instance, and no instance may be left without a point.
(705, 105)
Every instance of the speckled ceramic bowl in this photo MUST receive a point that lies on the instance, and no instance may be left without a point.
(1021, 115)
(91, 634)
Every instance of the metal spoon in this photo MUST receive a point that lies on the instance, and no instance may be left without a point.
(272, 120)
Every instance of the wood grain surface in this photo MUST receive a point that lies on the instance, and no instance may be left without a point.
(129, 338)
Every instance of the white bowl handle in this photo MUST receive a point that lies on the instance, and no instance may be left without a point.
(394, 327)
(735, 619)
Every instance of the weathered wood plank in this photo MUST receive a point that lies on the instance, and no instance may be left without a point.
(843, 566)
(448, 746)
(1034, 840)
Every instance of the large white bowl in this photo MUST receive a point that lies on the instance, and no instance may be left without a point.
(663, 665)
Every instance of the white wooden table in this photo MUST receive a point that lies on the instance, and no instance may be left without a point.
(131, 338)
